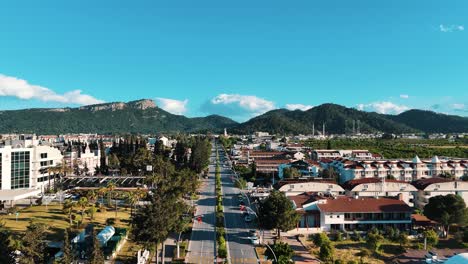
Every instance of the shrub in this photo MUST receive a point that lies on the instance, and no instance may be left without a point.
(374, 241)
(110, 221)
(326, 252)
(320, 239)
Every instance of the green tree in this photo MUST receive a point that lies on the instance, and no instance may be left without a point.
(374, 241)
(320, 238)
(402, 239)
(6, 248)
(432, 239)
(33, 245)
(67, 257)
(91, 212)
(68, 208)
(153, 222)
(291, 172)
(277, 212)
(114, 162)
(95, 252)
(326, 252)
(447, 209)
(281, 250)
(83, 203)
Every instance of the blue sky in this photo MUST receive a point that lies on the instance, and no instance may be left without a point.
(236, 58)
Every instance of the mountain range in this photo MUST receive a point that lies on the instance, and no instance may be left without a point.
(143, 116)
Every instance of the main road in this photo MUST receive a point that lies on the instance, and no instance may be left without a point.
(202, 242)
(202, 245)
(240, 247)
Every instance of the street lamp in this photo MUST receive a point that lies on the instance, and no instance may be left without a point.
(274, 255)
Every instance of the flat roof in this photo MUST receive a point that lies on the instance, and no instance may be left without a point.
(13, 195)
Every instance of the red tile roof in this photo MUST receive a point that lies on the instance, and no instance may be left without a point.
(363, 205)
(305, 198)
(349, 185)
(423, 183)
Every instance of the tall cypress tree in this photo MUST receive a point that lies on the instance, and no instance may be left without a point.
(95, 253)
(66, 249)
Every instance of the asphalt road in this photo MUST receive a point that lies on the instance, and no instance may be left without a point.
(240, 248)
(202, 242)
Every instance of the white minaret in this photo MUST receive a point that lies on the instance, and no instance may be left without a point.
(323, 129)
(225, 132)
(313, 129)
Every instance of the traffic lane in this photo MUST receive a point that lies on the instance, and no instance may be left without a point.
(202, 247)
(240, 246)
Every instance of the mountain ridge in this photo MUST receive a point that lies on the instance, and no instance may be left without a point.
(144, 116)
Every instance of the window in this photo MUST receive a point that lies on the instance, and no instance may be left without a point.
(20, 165)
(43, 155)
(43, 163)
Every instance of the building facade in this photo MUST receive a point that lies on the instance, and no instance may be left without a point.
(27, 167)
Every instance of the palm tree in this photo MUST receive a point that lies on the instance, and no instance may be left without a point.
(92, 196)
(101, 192)
(110, 189)
(68, 207)
(132, 200)
(83, 203)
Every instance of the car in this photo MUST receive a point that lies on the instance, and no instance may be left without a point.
(254, 240)
(248, 219)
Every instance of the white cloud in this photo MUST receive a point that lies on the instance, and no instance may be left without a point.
(238, 106)
(383, 107)
(458, 106)
(247, 102)
(404, 96)
(298, 107)
(173, 106)
(451, 28)
(12, 86)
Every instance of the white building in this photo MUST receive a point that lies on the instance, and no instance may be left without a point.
(380, 187)
(296, 188)
(403, 170)
(427, 188)
(324, 214)
(27, 167)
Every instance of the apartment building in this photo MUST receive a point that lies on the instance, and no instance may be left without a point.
(381, 187)
(427, 188)
(402, 170)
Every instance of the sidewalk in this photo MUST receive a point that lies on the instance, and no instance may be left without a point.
(302, 255)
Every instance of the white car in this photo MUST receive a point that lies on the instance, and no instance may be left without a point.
(254, 240)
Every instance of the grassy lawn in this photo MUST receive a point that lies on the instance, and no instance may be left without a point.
(128, 252)
(58, 221)
(348, 250)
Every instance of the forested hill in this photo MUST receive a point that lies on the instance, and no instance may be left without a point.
(339, 119)
(143, 116)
